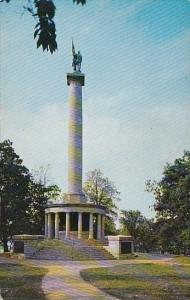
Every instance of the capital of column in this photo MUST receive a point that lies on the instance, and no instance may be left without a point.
(77, 77)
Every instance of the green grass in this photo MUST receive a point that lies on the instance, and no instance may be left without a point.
(128, 256)
(20, 281)
(146, 280)
(184, 260)
(68, 251)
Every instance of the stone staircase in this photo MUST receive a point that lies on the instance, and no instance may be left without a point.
(71, 250)
(29, 250)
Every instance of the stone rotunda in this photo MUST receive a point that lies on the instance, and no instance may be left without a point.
(75, 218)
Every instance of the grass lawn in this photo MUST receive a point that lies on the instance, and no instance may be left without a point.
(20, 281)
(68, 251)
(146, 280)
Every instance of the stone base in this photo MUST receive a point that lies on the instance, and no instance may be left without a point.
(75, 198)
(120, 245)
(26, 237)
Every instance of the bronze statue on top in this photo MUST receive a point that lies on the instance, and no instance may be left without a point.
(77, 59)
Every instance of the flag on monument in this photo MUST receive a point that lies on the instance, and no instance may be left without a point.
(73, 48)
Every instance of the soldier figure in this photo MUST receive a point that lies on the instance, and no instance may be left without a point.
(77, 59)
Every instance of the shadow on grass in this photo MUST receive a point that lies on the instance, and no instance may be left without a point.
(139, 281)
(21, 281)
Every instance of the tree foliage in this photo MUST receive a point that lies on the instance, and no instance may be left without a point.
(110, 227)
(131, 220)
(45, 29)
(22, 199)
(40, 175)
(142, 229)
(101, 191)
(14, 188)
(40, 195)
(172, 203)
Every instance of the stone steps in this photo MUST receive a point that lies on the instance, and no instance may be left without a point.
(82, 242)
(29, 251)
(85, 254)
(71, 250)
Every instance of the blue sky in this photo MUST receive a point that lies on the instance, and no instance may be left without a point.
(136, 106)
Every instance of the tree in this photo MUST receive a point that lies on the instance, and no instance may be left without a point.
(14, 193)
(101, 191)
(172, 203)
(39, 194)
(131, 220)
(22, 199)
(110, 227)
(45, 29)
(142, 229)
(147, 238)
(41, 175)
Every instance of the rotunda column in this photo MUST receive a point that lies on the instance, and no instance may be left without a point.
(49, 226)
(79, 225)
(103, 226)
(67, 232)
(99, 231)
(91, 231)
(57, 225)
(46, 225)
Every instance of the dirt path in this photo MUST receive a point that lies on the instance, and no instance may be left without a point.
(63, 280)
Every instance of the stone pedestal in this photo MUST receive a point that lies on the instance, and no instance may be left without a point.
(120, 245)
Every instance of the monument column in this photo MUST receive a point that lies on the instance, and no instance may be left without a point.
(75, 81)
(57, 225)
(99, 231)
(67, 232)
(91, 233)
(49, 226)
(79, 225)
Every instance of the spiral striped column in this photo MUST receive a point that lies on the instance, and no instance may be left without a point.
(75, 81)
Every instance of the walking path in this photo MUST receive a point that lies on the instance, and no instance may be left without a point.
(63, 280)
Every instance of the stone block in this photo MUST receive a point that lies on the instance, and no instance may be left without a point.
(119, 245)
